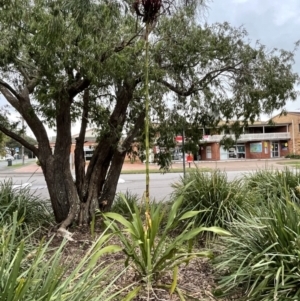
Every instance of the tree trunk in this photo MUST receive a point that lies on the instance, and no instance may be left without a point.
(110, 186)
(57, 171)
(96, 175)
(79, 151)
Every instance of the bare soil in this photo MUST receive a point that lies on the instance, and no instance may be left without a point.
(196, 280)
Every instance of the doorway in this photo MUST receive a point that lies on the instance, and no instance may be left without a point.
(275, 149)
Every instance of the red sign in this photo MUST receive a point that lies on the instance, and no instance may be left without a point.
(178, 138)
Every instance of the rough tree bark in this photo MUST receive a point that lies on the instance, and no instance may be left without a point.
(105, 157)
(106, 198)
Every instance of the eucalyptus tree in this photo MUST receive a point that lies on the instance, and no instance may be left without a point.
(3, 146)
(66, 61)
(213, 73)
(52, 67)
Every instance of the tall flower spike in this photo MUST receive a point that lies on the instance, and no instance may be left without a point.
(148, 9)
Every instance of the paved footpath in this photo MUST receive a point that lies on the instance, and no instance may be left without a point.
(234, 165)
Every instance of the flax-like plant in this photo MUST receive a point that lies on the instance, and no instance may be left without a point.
(30, 208)
(269, 183)
(146, 246)
(261, 259)
(213, 194)
(37, 272)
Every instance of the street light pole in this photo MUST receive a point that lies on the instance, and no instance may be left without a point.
(183, 152)
(23, 157)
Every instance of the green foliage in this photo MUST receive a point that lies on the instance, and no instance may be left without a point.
(268, 183)
(211, 193)
(12, 144)
(261, 259)
(293, 156)
(150, 253)
(37, 272)
(53, 52)
(29, 207)
(3, 140)
(125, 209)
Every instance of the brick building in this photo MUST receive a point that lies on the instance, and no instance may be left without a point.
(90, 143)
(259, 140)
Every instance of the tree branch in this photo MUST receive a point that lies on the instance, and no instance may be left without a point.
(133, 133)
(78, 87)
(8, 90)
(82, 84)
(21, 140)
(208, 78)
(24, 107)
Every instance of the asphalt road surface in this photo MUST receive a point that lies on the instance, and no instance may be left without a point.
(160, 184)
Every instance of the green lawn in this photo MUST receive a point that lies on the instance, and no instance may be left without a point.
(293, 163)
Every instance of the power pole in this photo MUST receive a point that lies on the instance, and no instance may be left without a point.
(23, 156)
(183, 152)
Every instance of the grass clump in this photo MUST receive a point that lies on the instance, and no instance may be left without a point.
(146, 245)
(119, 206)
(261, 259)
(37, 272)
(292, 156)
(211, 193)
(268, 183)
(29, 207)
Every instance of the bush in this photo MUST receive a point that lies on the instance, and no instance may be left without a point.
(262, 258)
(126, 208)
(268, 183)
(211, 193)
(34, 273)
(30, 208)
(122, 208)
(293, 156)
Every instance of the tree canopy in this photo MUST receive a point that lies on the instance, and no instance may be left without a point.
(83, 61)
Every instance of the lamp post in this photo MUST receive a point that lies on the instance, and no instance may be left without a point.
(183, 152)
(23, 134)
(179, 107)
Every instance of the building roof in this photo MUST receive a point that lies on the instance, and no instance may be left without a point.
(287, 113)
(88, 133)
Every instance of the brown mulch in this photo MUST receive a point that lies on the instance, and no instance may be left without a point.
(195, 280)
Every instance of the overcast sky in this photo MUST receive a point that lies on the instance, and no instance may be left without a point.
(275, 23)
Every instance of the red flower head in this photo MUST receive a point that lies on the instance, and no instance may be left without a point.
(148, 9)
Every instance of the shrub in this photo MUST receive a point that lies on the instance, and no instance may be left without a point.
(261, 259)
(211, 193)
(126, 208)
(30, 208)
(293, 156)
(151, 254)
(122, 208)
(40, 274)
(269, 183)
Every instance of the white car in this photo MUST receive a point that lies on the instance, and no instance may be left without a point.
(9, 157)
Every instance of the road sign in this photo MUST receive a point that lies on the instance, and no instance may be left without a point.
(17, 149)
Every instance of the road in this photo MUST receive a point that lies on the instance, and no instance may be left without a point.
(160, 185)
